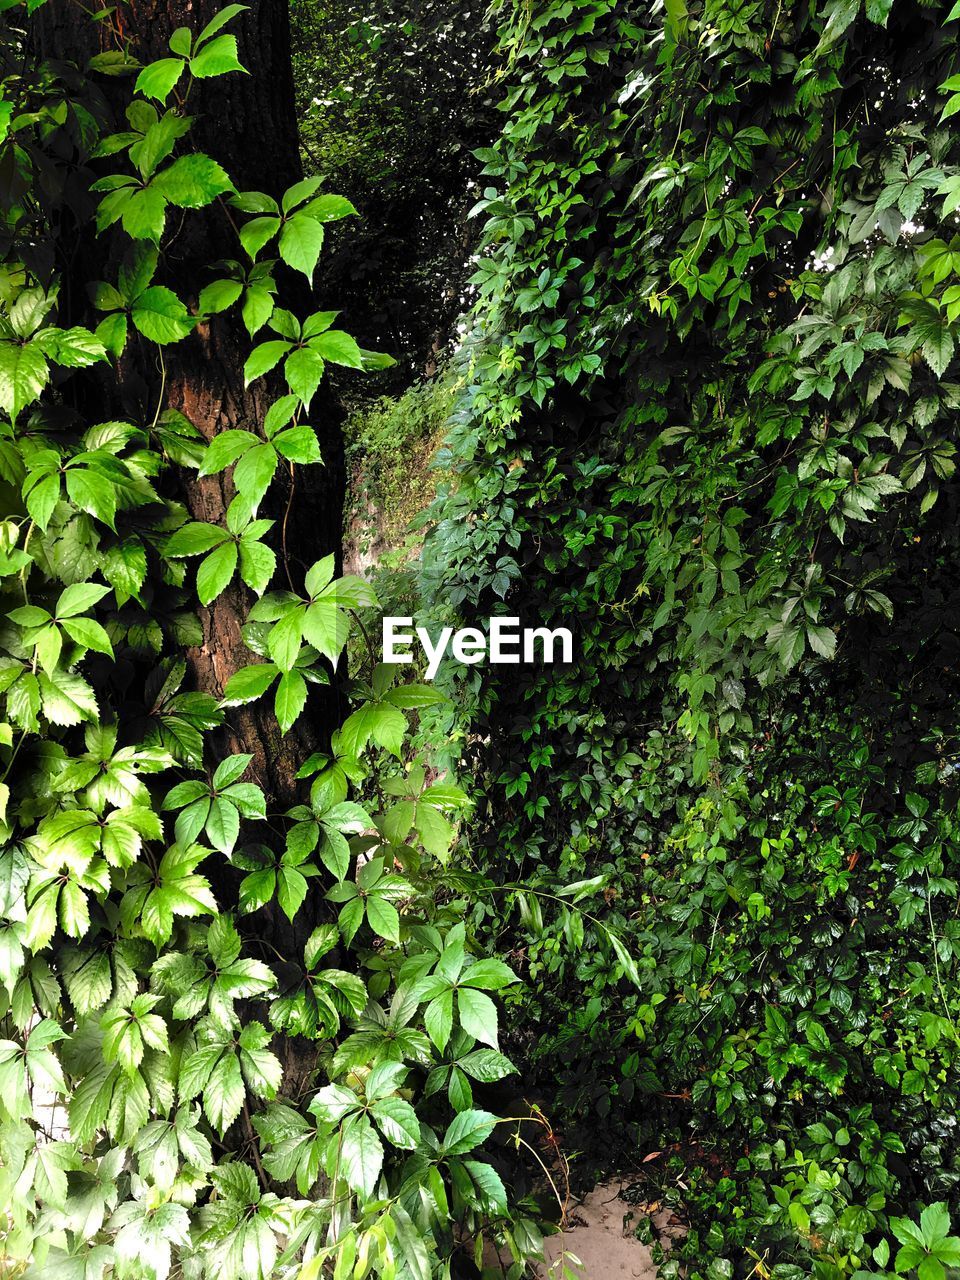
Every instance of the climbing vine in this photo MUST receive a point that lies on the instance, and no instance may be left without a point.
(178, 1096)
(711, 424)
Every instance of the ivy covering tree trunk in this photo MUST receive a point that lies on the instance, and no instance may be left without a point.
(247, 124)
(241, 1015)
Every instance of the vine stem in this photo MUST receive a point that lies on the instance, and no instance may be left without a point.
(553, 1186)
(539, 1118)
(229, 216)
(13, 757)
(255, 1151)
(936, 958)
(366, 636)
(163, 390)
(24, 570)
(283, 527)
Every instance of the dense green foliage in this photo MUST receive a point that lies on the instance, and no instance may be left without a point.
(712, 425)
(393, 100)
(706, 414)
(151, 1119)
(391, 473)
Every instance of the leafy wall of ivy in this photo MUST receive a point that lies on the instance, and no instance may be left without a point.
(712, 424)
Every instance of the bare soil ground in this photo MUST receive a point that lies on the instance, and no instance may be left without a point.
(601, 1236)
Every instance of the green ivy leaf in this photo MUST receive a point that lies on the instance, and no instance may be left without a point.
(291, 698)
(218, 296)
(217, 58)
(143, 215)
(192, 182)
(466, 1131)
(264, 358)
(383, 918)
(304, 373)
(331, 208)
(194, 538)
(291, 890)
(361, 1156)
(23, 375)
(253, 236)
(160, 315)
(301, 240)
(298, 444)
(338, 347)
(216, 571)
(159, 78)
(223, 825)
(254, 471)
(248, 684)
(397, 1121)
(285, 638)
(478, 1015)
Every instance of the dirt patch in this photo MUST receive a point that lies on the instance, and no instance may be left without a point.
(601, 1235)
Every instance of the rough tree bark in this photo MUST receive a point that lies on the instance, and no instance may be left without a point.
(248, 124)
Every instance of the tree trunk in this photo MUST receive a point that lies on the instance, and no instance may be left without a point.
(248, 124)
